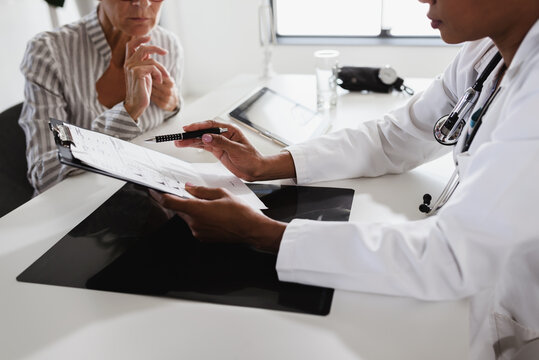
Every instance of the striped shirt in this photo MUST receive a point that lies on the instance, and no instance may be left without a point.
(61, 69)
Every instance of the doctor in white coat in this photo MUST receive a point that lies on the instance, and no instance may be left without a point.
(483, 243)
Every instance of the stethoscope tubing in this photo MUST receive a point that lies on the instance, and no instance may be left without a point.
(448, 128)
(446, 193)
(463, 106)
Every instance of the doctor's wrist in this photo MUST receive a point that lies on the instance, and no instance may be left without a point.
(268, 235)
(279, 166)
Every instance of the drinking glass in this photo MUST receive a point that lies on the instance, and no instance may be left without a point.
(327, 67)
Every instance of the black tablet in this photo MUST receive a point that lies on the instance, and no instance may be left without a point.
(130, 245)
(279, 118)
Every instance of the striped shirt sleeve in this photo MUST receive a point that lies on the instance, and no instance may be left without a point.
(60, 70)
(116, 121)
(44, 99)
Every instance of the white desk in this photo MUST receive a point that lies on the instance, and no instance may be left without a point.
(49, 322)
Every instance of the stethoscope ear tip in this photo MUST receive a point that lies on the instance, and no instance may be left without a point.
(425, 208)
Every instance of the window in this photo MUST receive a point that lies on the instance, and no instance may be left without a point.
(349, 21)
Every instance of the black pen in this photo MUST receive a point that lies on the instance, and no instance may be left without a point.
(187, 135)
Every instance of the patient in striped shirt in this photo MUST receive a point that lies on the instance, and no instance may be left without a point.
(115, 71)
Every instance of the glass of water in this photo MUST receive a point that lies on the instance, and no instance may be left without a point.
(327, 67)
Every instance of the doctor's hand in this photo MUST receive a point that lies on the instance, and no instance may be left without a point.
(238, 155)
(141, 74)
(218, 216)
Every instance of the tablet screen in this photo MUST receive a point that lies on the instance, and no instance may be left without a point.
(130, 245)
(279, 117)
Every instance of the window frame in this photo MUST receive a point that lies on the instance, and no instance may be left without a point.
(383, 38)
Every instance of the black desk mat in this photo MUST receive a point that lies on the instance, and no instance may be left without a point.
(131, 245)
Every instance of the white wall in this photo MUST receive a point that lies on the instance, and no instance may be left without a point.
(21, 20)
(220, 39)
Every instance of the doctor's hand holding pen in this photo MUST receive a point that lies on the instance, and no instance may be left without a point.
(215, 214)
(238, 155)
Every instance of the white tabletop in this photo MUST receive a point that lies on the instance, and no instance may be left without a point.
(50, 322)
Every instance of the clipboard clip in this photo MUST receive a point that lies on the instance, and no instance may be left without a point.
(62, 134)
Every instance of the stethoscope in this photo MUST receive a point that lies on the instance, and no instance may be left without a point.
(448, 129)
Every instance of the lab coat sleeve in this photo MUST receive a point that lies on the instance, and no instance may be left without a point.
(400, 141)
(458, 252)
(454, 254)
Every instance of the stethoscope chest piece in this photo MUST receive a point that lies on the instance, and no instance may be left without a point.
(448, 129)
(445, 135)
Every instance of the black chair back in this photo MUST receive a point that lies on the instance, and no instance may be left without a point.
(15, 189)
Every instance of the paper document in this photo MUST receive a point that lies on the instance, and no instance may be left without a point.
(153, 169)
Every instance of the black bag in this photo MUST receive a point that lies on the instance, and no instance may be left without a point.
(381, 80)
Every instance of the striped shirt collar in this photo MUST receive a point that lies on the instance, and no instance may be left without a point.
(96, 35)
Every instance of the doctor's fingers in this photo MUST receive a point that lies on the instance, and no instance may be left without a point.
(207, 193)
(202, 229)
(194, 143)
(234, 149)
(194, 207)
(233, 133)
(172, 202)
(216, 144)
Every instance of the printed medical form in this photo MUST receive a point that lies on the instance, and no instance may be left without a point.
(154, 169)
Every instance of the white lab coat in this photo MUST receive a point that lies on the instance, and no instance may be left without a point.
(483, 243)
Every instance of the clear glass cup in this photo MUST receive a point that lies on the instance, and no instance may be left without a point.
(326, 69)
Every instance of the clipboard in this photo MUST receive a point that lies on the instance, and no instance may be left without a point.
(141, 166)
(63, 140)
